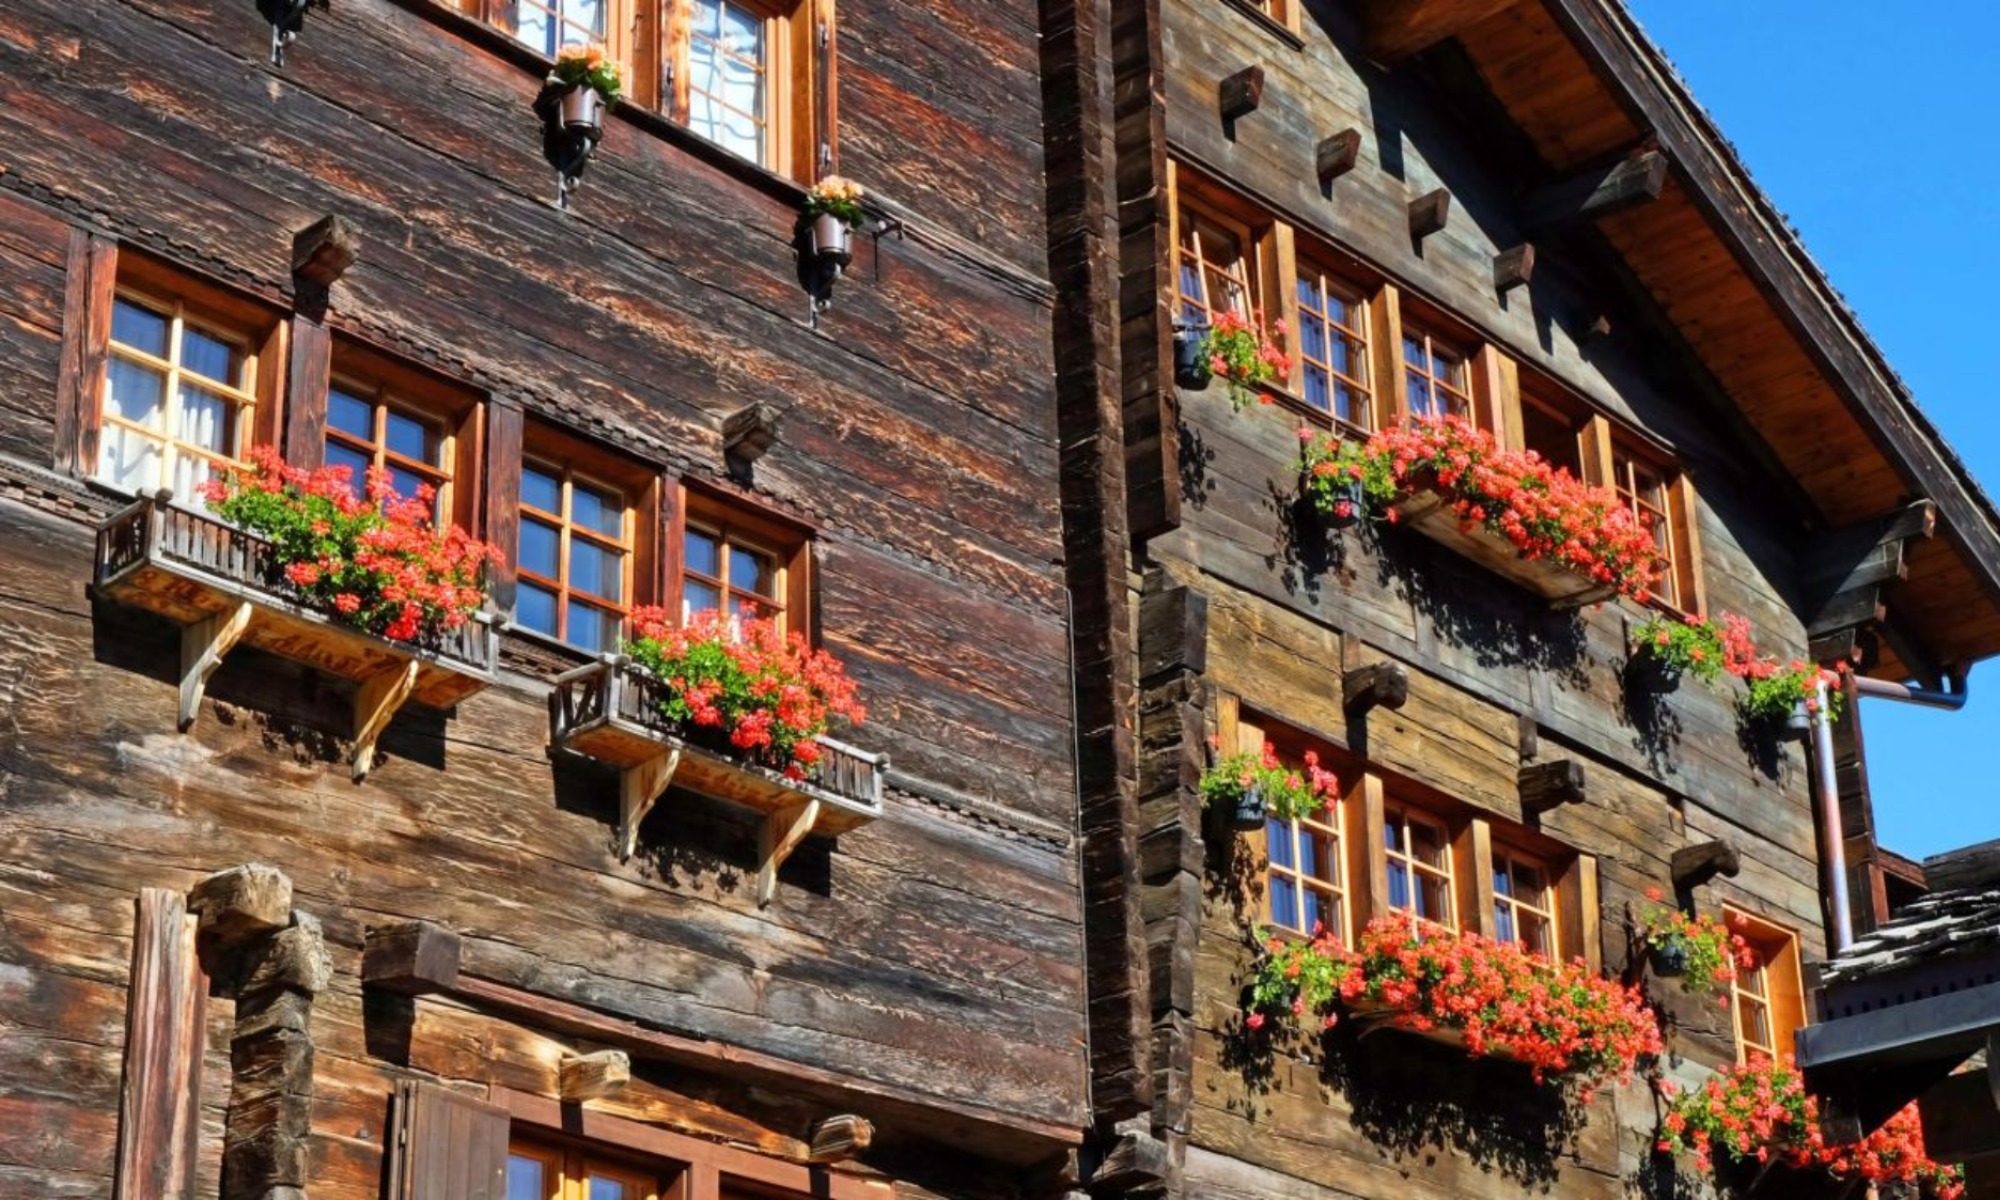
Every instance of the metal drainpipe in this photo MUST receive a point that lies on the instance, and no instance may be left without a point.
(1835, 848)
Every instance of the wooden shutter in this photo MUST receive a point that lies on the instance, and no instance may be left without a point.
(446, 1145)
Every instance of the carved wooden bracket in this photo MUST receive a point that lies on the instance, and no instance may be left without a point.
(323, 250)
(639, 788)
(1514, 267)
(1552, 784)
(1377, 685)
(1241, 93)
(1336, 156)
(1429, 213)
(594, 1076)
(1843, 575)
(204, 645)
(1695, 865)
(837, 1139)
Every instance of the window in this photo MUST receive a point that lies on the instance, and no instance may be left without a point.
(368, 425)
(549, 25)
(1417, 852)
(180, 387)
(1213, 270)
(746, 563)
(1655, 496)
(1305, 888)
(1524, 902)
(578, 546)
(1437, 377)
(1768, 999)
(549, 1172)
(1555, 432)
(1333, 346)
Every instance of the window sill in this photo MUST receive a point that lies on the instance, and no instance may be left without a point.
(1427, 513)
(1271, 25)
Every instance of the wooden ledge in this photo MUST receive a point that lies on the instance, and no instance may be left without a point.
(421, 959)
(1427, 513)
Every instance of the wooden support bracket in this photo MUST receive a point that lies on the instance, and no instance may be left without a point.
(375, 702)
(1377, 685)
(1598, 193)
(1514, 267)
(1429, 213)
(639, 788)
(204, 644)
(1549, 785)
(1239, 95)
(323, 250)
(1695, 865)
(1336, 156)
(594, 1076)
(411, 959)
(747, 433)
(840, 1138)
(781, 834)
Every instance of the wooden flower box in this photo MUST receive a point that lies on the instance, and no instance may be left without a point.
(1430, 514)
(606, 710)
(213, 580)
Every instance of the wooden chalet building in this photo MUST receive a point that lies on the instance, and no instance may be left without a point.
(459, 976)
(1511, 211)
(290, 910)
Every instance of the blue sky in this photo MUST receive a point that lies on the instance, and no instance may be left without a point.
(1872, 129)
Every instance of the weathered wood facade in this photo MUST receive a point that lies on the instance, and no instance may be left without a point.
(1527, 182)
(919, 970)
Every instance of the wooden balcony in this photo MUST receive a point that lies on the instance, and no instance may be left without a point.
(215, 582)
(1430, 514)
(607, 710)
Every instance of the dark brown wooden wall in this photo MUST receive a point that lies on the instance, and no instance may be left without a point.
(1393, 1117)
(934, 951)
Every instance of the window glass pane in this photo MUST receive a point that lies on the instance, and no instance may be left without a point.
(1309, 859)
(588, 16)
(702, 554)
(206, 420)
(539, 553)
(1310, 913)
(592, 628)
(1503, 883)
(525, 1179)
(139, 327)
(596, 509)
(405, 435)
(190, 472)
(698, 597)
(350, 414)
(539, 489)
(1433, 898)
(1427, 844)
(128, 460)
(136, 393)
(708, 18)
(1755, 1021)
(356, 463)
(1503, 922)
(1532, 883)
(606, 1189)
(752, 572)
(1278, 842)
(596, 570)
(1320, 850)
(1284, 902)
(405, 482)
(535, 608)
(1535, 933)
(1399, 885)
(1319, 390)
(210, 356)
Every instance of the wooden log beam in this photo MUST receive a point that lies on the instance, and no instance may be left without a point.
(1396, 29)
(1429, 213)
(1377, 685)
(243, 902)
(323, 250)
(1597, 193)
(413, 959)
(1692, 866)
(1135, 1161)
(1514, 267)
(1966, 867)
(1549, 785)
(1862, 606)
(748, 433)
(159, 1109)
(1238, 95)
(1337, 155)
(593, 1076)
(838, 1139)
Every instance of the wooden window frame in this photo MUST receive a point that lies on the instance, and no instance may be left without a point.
(1474, 843)
(1433, 342)
(1781, 972)
(1265, 243)
(387, 383)
(1305, 268)
(1405, 814)
(719, 513)
(572, 1164)
(572, 459)
(256, 329)
(1678, 512)
(620, 19)
(1507, 858)
(1250, 732)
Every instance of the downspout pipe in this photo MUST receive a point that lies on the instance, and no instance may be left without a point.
(1833, 846)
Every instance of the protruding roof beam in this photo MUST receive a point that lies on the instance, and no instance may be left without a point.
(1400, 28)
(1596, 193)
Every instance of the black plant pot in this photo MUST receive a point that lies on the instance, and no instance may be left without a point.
(1799, 723)
(1191, 369)
(1249, 812)
(1669, 961)
(1650, 675)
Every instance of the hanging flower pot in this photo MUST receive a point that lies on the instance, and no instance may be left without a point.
(1341, 500)
(1649, 674)
(1798, 721)
(1191, 365)
(1248, 815)
(582, 108)
(833, 209)
(832, 239)
(1668, 961)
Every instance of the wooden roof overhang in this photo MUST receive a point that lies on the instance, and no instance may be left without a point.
(1589, 90)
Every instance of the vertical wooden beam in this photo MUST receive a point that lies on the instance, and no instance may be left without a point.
(1391, 393)
(90, 281)
(1495, 399)
(1282, 303)
(310, 377)
(502, 474)
(1364, 863)
(1579, 935)
(1472, 853)
(159, 1111)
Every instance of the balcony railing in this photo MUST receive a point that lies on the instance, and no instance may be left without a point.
(608, 710)
(218, 583)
